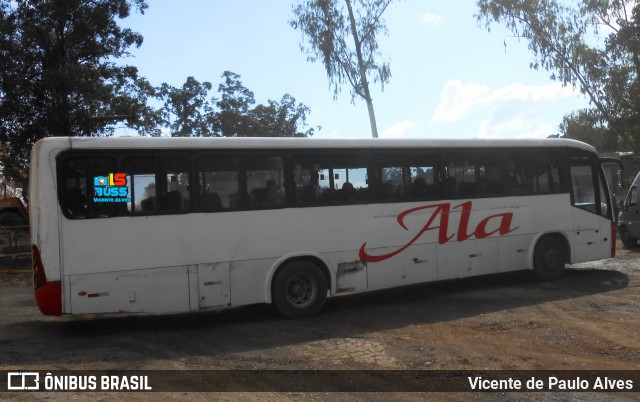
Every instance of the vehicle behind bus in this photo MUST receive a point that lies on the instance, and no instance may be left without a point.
(629, 216)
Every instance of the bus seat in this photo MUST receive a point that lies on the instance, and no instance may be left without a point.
(172, 200)
(308, 195)
(211, 202)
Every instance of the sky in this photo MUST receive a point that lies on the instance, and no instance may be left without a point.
(451, 78)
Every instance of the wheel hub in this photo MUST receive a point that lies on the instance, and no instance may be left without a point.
(300, 290)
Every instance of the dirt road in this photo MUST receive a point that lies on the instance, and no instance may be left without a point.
(589, 319)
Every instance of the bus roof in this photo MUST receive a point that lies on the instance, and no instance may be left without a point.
(298, 143)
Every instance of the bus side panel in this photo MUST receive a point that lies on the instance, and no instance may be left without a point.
(591, 236)
(44, 219)
(247, 281)
(416, 264)
(534, 216)
(351, 275)
(469, 258)
(213, 285)
(150, 290)
(514, 252)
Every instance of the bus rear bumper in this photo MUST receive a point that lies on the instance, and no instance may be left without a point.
(49, 298)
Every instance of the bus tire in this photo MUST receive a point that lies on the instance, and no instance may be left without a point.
(628, 240)
(299, 290)
(549, 258)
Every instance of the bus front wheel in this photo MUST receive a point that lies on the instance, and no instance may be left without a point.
(299, 290)
(549, 258)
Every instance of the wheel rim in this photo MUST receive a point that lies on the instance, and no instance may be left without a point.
(301, 290)
(552, 259)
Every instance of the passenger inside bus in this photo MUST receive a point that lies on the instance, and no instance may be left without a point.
(211, 202)
(311, 193)
(348, 193)
(275, 196)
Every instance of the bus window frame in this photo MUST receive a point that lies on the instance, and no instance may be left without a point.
(597, 180)
(370, 158)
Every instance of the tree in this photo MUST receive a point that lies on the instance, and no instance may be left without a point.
(327, 26)
(189, 106)
(592, 44)
(59, 67)
(281, 119)
(586, 126)
(191, 111)
(233, 118)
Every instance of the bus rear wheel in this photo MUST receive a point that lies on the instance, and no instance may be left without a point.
(549, 258)
(299, 290)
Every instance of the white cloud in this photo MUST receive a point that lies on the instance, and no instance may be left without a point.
(397, 130)
(431, 18)
(518, 91)
(518, 126)
(512, 111)
(457, 98)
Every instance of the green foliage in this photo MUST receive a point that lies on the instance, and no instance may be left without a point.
(189, 106)
(190, 111)
(591, 44)
(233, 119)
(282, 118)
(344, 39)
(58, 68)
(325, 25)
(586, 126)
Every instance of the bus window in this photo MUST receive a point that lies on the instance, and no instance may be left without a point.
(219, 182)
(327, 179)
(265, 182)
(533, 172)
(474, 174)
(157, 184)
(176, 176)
(604, 204)
(76, 172)
(78, 187)
(141, 180)
(584, 195)
(403, 177)
(229, 182)
(312, 179)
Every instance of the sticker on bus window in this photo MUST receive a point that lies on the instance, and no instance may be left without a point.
(111, 188)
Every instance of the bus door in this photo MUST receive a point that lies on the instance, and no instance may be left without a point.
(591, 213)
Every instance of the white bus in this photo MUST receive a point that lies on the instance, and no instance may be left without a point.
(183, 224)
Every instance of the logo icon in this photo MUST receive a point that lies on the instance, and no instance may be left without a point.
(23, 381)
(100, 181)
(111, 188)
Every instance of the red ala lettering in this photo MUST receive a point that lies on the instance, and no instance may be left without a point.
(442, 211)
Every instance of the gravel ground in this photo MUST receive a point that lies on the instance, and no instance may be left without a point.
(587, 320)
